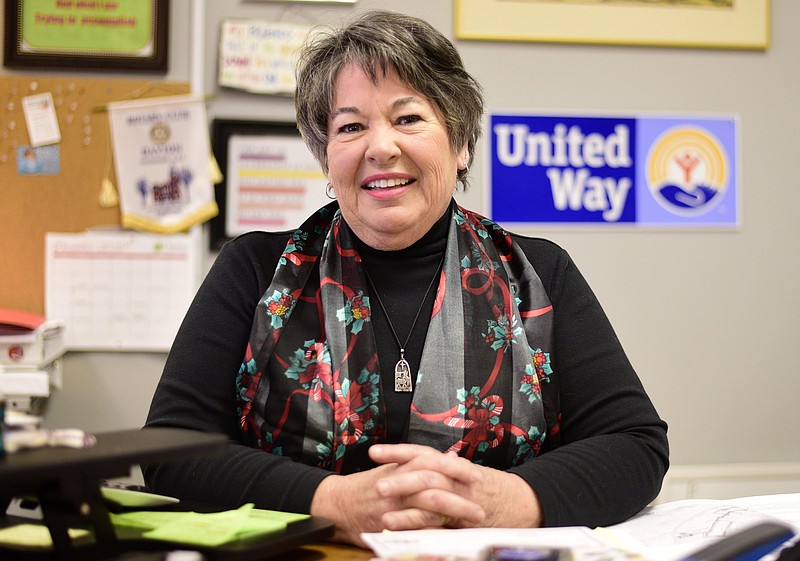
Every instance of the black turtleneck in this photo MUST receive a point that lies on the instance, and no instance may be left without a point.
(401, 279)
(608, 464)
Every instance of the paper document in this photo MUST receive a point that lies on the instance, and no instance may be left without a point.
(666, 532)
(672, 530)
(471, 542)
(40, 116)
(120, 290)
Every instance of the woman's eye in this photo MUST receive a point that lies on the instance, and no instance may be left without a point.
(350, 127)
(409, 119)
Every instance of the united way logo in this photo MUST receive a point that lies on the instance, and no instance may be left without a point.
(687, 171)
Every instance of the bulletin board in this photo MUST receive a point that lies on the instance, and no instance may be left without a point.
(69, 200)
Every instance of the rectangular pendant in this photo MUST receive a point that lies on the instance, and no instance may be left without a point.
(402, 376)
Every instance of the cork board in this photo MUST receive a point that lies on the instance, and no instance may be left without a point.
(70, 199)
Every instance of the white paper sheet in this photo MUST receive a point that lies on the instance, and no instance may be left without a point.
(40, 117)
(672, 530)
(123, 290)
(666, 532)
(470, 543)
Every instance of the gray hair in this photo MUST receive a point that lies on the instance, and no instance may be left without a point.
(381, 41)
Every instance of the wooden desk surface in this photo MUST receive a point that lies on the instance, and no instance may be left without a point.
(325, 551)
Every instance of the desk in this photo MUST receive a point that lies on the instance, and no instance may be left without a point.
(67, 480)
(328, 552)
(67, 483)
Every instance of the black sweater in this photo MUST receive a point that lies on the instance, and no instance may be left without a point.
(613, 453)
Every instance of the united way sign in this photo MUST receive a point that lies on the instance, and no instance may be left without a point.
(629, 171)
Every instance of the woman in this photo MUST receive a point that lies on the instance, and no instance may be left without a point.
(407, 363)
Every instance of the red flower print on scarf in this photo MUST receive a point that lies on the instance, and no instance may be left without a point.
(355, 409)
(481, 419)
(311, 367)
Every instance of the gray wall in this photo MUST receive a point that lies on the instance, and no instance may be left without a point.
(709, 319)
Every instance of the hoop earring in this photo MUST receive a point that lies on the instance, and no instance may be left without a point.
(328, 190)
(462, 177)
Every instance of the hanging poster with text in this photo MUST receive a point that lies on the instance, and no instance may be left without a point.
(161, 156)
(644, 172)
(259, 56)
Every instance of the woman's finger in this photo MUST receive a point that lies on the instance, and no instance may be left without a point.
(434, 509)
(407, 483)
(410, 457)
(444, 503)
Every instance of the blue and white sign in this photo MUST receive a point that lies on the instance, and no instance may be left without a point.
(648, 172)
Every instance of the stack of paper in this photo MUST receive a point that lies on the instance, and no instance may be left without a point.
(30, 352)
(665, 532)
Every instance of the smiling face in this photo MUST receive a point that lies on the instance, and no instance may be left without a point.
(389, 159)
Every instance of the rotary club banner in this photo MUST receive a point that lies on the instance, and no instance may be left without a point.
(161, 155)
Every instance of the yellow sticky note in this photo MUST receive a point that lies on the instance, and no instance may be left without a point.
(208, 530)
(265, 522)
(144, 519)
(34, 535)
(276, 516)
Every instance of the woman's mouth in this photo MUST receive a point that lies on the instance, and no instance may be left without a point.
(387, 184)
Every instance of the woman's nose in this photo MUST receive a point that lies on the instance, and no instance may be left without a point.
(382, 146)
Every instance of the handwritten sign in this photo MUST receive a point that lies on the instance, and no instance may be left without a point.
(259, 56)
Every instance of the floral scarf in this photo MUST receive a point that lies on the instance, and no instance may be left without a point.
(310, 387)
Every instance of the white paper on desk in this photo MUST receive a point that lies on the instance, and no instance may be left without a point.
(470, 543)
(120, 290)
(670, 531)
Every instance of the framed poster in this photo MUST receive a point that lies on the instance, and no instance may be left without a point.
(666, 172)
(271, 180)
(67, 34)
(674, 23)
(315, 1)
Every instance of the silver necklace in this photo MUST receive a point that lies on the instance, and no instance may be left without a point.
(402, 370)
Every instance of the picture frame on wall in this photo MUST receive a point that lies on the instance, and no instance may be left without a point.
(71, 35)
(310, 1)
(723, 24)
(271, 181)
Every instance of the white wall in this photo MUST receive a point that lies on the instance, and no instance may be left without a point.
(709, 319)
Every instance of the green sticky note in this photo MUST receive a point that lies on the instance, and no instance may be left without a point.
(203, 529)
(265, 522)
(277, 516)
(34, 535)
(144, 519)
(206, 529)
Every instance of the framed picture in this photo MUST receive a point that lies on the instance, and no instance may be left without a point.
(270, 179)
(315, 1)
(86, 35)
(730, 24)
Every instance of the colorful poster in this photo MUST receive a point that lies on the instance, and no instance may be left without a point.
(636, 171)
(274, 183)
(90, 26)
(259, 56)
(161, 156)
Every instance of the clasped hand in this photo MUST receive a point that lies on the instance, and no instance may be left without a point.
(419, 487)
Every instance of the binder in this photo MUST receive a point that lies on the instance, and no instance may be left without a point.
(29, 339)
(30, 359)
